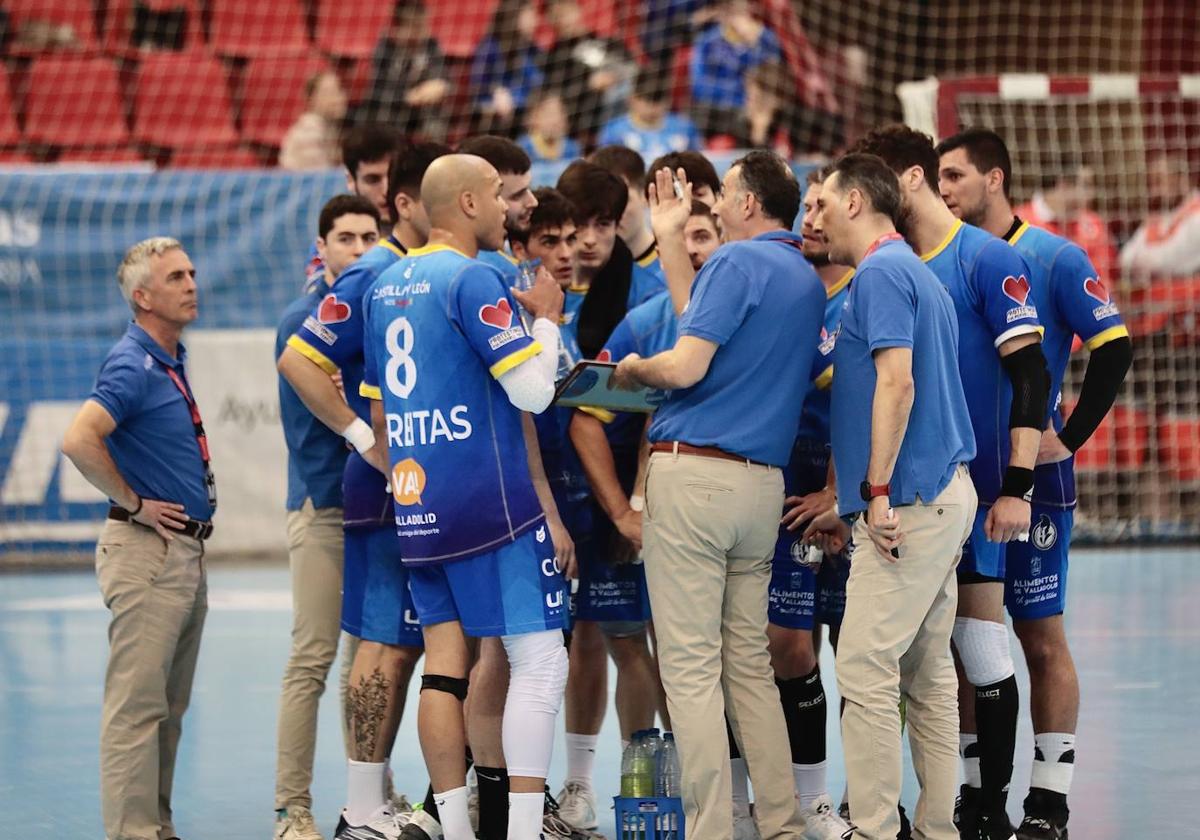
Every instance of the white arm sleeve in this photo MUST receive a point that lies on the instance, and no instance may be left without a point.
(530, 385)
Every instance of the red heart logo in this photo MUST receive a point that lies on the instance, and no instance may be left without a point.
(604, 355)
(498, 316)
(1096, 289)
(1017, 288)
(332, 310)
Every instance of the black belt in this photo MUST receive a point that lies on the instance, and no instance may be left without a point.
(192, 528)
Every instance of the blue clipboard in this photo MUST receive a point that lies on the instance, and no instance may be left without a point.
(586, 386)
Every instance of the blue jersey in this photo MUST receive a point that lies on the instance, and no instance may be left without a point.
(504, 262)
(676, 134)
(895, 301)
(332, 336)
(539, 152)
(647, 278)
(814, 419)
(762, 304)
(1071, 300)
(994, 300)
(441, 330)
(316, 453)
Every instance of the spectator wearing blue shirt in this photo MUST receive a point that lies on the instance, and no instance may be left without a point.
(547, 139)
(714, 490)
(139, 440)
(720, 58)
(347, 227)
(902, 438)
(648, 127)
(504, 72)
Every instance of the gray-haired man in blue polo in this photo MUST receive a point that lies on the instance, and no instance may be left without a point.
(901, 440)
(139, 439)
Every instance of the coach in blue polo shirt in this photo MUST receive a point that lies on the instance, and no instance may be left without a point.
(737, 377)
(139, 439)
(901, 440)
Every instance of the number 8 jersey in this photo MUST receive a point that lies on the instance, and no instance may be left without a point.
(441, 329)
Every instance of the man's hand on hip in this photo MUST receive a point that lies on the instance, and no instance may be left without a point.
(163, 517)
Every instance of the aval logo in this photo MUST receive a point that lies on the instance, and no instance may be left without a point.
(1044, 534)
(408, 482)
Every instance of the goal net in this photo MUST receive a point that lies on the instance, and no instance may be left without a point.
(217, 122)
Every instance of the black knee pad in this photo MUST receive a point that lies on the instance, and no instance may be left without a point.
(456, 686)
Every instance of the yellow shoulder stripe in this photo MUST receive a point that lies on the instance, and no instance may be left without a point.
(825, 379)
(1110, 334)
(954, 229)
(371, 392)
(513, 359)
(601, 414)
(312, 354)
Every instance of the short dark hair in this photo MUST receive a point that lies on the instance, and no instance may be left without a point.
(772, 76)
(500, 152)
(552, 211)
(621, 161)
(874, 178)
(985, 149)
(344, 205)
(1059, 166)
(699, 208)
(902, 147)
(595, 192)
(405, 10)
(651, 84)
(698, 169)
(368, 142)
(818, 174)
(769, 178)
(408, 168)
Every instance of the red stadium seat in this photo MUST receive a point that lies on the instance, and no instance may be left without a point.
(263, 27)
(351, 35)
(181, 101)
(119, 155)
(459, 27)
(1131, 436)
(118, 24)
(233, 158)
(1098, 453)
(92, 115)
(10, 132)
(12, 158)
(79, 15)
(273, 95)
(1179, 447)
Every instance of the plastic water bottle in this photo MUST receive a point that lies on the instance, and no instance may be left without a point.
(654, 743)
(526, 276)
(628, 765)
(670, 771)
(643, 767)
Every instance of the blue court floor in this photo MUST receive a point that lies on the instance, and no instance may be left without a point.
(1134, 623)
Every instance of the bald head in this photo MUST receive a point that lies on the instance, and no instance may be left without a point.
(463, 193)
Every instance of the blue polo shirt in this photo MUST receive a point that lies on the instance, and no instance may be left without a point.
(676, 134)
(896, 301)
(316, 454)
(154, 445)
(762, 303)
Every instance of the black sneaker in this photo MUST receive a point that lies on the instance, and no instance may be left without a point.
(422, 826)
(995, 825)
(1046, 815)
(1041, 828)
(905, 826)
(966, 813)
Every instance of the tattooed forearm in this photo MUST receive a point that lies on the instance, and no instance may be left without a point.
(366, 705)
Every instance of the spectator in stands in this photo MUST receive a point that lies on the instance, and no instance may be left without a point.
(698, 169)
(158, 29)
(736, 43)
(648, 127)
(669, 26)
(408, 76)
(546, 141)
(1168, 243)
(1061, 206)
(505, 70)
(592, 72)
(312, 141)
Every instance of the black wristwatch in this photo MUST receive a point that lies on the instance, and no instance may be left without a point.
(870, 491)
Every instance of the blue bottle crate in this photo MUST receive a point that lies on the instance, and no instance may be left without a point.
(649, 818)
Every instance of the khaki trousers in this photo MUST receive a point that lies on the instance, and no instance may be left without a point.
(896, 640)
(158, 596)
(315, 556)
(709, 533)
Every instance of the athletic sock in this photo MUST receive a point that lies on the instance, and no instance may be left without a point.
(364, 790)
(429, 806)
(525, 812)
(581, 758)
(996, 708)
(493, 802)
(452, 814)
(810, 782)
(1053, 768)
(968, 749)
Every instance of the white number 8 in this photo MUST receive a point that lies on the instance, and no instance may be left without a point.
(399, 340)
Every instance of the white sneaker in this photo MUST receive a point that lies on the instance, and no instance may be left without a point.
(821, 821)
(385, 824)
(745, 828)
(296, 824)
(577, 806)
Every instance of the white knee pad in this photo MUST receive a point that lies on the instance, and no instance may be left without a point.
(983, 650)
(538, 676)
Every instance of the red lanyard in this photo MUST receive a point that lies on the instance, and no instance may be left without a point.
(197, 423)
(887, 237)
